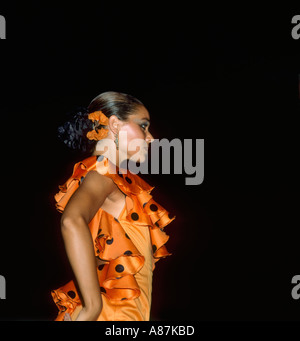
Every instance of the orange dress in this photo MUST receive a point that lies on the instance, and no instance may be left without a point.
(130, 244)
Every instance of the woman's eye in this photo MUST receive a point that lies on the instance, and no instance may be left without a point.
(144, 126)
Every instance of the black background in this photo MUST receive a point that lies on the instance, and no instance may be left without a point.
(225, 74)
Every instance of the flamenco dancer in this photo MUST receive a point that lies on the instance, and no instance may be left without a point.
(112, 228)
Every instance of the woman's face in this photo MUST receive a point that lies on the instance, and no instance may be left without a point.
(136, 132)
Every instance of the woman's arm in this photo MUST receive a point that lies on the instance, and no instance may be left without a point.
(79, 211)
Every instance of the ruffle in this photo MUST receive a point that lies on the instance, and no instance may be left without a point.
(66, 299)
(114, 246)
(111, 243)
(69, 187)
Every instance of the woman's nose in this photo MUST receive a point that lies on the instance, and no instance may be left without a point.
(149, 138)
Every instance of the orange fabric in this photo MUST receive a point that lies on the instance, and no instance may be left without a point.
(98, 116)
(131, 244)
(101, 133)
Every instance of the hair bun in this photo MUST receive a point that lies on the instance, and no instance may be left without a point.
(73, 131)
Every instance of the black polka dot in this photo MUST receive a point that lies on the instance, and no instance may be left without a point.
(134, 216)
(153, 207)
(101, 235)
(156, 223)
(154, 248)
(81, 179)
(110, 241)
(144, 204)
(72, 294)
(128, 180)
(99, 231)
(119, 268)
(126, 235)
(100, 267)
(123, 299)
(102, 289)
(128, 253)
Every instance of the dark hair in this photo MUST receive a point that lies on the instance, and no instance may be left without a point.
(73, 131)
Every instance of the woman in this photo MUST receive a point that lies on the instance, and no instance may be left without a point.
(111, 226)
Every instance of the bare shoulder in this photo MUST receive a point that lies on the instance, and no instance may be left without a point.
(89, 196)
(96, 182)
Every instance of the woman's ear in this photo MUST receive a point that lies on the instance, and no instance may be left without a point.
(114, 124)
